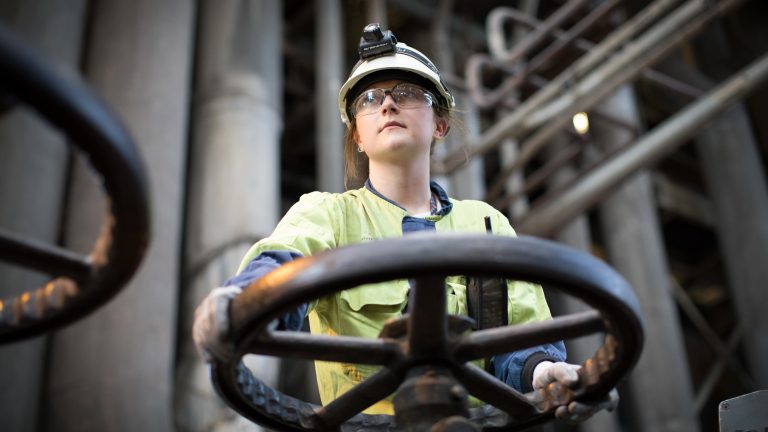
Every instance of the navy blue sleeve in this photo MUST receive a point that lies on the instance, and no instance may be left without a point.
(260, 266)
(516, 368)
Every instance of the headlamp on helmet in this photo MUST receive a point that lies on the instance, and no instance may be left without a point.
(375, 42)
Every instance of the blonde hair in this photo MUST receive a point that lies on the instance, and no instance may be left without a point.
(356, 162)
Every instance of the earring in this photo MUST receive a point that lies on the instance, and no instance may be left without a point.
(359, 149)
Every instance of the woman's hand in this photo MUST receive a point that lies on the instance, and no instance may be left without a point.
(548, 372)
(211, 325)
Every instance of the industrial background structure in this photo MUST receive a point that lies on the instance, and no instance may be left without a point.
(233, 106)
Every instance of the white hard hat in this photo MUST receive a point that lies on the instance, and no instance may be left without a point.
(383, 58)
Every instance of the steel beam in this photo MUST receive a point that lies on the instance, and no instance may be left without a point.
(547, 218)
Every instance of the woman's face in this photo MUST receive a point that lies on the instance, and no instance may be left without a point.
(393, 133)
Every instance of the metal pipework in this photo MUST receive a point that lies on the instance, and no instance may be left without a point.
(519, 75)
(601, 83)
(562, 38)
(515, 123)
(541, 175)
(649, 49)
(535, 37)
(546, 219)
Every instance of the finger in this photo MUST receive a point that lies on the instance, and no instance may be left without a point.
(565, 373)
(562, 413)
(575, 412)
(229, 292)
(613, 400)
(200, 335)
(580, 411)
(202, 309)
(205, 333)
(220, 317)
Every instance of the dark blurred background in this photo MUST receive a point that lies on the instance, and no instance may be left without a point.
(233, 105)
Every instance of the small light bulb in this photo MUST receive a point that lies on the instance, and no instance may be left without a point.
(581, 123)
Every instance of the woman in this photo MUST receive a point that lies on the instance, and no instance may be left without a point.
(395, 107)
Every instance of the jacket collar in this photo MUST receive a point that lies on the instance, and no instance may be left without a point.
(445, 203)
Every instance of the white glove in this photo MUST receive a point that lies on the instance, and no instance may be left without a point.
(211, 326)
(567, 374)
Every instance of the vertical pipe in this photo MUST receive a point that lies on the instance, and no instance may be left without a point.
(33, 161)
(233, 181)
(660, 385)
(329, 64)
(466, 182)
(377, 12)
(113, 370)
(510, 147)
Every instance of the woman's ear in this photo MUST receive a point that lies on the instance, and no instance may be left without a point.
(356, 137)
(441, 128)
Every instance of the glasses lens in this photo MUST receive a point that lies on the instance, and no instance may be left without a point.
(368, 102)
(405, 96)
(411, 96)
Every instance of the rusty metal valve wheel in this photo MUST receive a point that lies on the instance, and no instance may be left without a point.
(80, 284)
(428, 259)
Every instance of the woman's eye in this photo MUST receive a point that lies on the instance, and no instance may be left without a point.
(368, 99)
(407, 94)
(371, 98)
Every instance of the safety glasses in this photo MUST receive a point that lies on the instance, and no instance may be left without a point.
(405, 96)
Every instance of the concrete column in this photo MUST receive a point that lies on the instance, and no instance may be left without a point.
(329, 66)
(113, 370)
(576, 234)
(660, 386)
(234, 180)
(735, 180)
(33, 161)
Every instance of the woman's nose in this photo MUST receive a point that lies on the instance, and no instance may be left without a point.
(388, 103)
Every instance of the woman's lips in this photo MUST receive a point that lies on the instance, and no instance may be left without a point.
(392, 124)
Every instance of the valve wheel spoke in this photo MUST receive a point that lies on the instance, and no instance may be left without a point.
(490, 390)
(428, 323)
(485, 343)
(327, 348)
(375, 388)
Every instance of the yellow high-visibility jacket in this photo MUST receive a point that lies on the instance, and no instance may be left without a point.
(321, 221)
